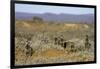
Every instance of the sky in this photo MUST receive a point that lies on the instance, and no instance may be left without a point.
(29, 8)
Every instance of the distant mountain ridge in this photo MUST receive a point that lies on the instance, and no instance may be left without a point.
(82, 18)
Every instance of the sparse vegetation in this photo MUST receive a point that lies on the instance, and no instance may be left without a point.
(42, 43)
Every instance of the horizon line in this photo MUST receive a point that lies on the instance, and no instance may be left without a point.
(55, 13)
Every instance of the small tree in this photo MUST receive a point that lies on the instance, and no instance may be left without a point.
(37, 19)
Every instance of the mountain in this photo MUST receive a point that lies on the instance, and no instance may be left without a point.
(84, 18)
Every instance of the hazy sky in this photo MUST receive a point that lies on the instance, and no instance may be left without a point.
(52, 9)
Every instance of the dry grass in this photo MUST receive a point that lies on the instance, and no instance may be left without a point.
(49, 52)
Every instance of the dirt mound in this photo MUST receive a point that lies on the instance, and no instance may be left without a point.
(76, 26)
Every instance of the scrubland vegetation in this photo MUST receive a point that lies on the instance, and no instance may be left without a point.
(42, 42)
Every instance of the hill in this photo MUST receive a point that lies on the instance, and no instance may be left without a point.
(84, 18)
